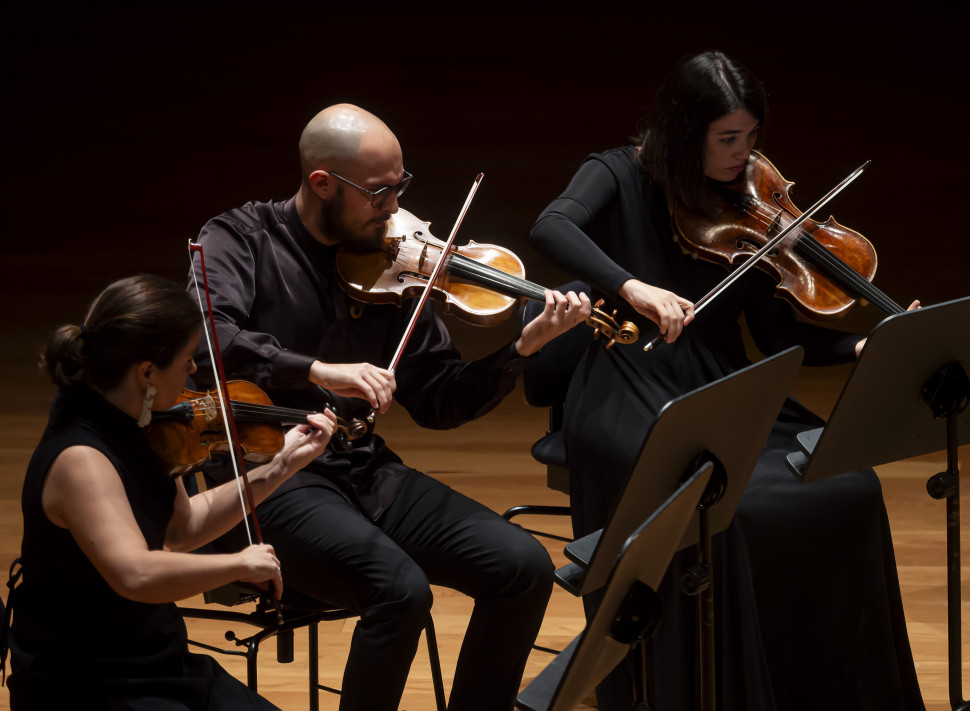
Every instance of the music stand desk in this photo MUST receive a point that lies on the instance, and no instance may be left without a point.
(730, 418)
(879, 416)
(721, 426)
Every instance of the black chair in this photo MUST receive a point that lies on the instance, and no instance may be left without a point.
(298, 611)
(546, 382)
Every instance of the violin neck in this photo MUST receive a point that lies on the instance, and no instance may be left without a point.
(343, 435)
(844, 275)
(268, 414)
(492, 278)
(249, 412)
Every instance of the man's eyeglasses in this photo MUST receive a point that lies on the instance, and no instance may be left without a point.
(379, 197)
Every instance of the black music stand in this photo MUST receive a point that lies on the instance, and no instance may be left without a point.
(629, 610)
(911, 374)
(721, 427)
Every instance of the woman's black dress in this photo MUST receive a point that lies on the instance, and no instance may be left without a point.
(74, 642)
(809, 614)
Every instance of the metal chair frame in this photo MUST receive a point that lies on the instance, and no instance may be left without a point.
(264, 618)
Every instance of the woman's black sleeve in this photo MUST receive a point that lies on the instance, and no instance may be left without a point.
(565, 234)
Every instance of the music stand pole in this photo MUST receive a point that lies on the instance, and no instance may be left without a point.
(954, 622)
(699, 580)
(947, 393)
(705, 615)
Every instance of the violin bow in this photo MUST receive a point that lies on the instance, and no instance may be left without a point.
(436, 272)
(768, 246)
(228, 419)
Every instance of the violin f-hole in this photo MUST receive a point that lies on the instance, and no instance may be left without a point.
(411, 275)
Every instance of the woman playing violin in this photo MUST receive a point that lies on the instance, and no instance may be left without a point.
(808, 614)
(107, 532)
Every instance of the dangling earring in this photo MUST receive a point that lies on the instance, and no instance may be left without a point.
(146, 406)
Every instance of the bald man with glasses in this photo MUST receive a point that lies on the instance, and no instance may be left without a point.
(359, 528)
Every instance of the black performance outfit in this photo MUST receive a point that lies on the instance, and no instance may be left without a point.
(809, 614)
(359, 529)
(75, 643)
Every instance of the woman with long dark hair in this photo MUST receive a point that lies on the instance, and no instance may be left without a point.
(107, 531)
(808, 608)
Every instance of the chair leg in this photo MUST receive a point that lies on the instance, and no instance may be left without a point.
(252, 649)
(314, 661)
(535, 510)
(284, 646)
(437, 681)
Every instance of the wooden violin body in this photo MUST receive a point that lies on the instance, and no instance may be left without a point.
(400, 271)
(190, 432)
(821, 269)
(482, 284)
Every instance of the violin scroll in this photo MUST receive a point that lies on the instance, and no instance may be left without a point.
(357, 427)
(606, 325)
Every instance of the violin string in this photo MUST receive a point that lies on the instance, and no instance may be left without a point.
(491, 277)
(241, 406)
(406, 248)
(837, 268)
(488, 275)
(410, 253)
(435, 273)
(822, 257)
(256, 408)
(272, 411)
(482, 274)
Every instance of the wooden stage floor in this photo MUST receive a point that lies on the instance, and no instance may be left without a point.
(489, 460)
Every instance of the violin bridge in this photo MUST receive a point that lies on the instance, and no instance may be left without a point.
(423, 257)
(208, 408)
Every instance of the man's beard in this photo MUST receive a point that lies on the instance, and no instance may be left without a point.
(335, 228)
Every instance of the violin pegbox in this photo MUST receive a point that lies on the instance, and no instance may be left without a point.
(606, 325)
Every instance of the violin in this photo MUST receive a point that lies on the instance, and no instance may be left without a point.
(481, 285)
(190, 432)
(822, 268)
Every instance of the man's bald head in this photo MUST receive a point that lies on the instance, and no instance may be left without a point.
(337, 137)
(345, 148)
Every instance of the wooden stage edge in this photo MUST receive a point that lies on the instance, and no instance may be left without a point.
(489, 460)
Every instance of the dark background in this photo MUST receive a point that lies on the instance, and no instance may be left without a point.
(125, 129)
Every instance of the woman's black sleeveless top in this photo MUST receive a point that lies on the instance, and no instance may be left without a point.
(71, 633)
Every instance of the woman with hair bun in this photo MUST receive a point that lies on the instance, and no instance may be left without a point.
(107, 532)
(808, 607)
